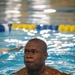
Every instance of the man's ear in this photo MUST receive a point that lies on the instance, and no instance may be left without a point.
(45, 55)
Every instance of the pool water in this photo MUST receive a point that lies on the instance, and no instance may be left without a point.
(61, 49)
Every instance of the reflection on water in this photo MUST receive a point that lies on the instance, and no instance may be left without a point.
(61, 49)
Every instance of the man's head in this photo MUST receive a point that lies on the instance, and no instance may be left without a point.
(35, 54)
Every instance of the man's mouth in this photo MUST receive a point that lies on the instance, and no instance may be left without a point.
(29, 62)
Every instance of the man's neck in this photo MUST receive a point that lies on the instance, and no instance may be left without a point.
(41, 71)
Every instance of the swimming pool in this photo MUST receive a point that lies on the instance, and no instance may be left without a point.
(61, 49)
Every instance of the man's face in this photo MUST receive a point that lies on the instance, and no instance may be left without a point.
(34, 57)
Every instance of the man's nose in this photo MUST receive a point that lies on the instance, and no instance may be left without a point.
(29, 55)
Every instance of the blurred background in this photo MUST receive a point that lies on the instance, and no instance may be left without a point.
(37, 11)
(50, 20)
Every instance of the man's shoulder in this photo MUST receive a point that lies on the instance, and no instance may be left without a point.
(22, 71)
(54, 71)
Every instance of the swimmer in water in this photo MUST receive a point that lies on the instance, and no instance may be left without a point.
(10, 49)
(35, 53)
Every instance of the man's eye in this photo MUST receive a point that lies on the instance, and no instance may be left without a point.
(34, 52)
(26, 52)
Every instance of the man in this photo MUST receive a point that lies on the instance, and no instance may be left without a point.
(35, 53)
